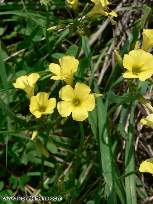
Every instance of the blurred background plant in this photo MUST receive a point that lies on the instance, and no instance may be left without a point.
(93, 162)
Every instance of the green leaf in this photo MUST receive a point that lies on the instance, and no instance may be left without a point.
(130, 181)
(57, 55)
(85, 46)
(52, 148)
(73, 50)
(13, 181)
(105, 150)
(49, 164)
(41, 148)
(98, 120)
(1, 185)
(2, 69)
(143, 19)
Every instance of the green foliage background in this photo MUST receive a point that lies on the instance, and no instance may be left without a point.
(91, 162)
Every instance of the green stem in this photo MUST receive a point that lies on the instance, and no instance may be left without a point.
(43, 157)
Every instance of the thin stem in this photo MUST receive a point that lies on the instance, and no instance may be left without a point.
(43, 157)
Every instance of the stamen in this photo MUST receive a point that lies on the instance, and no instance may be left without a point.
(76, 101)
(136, 70)
(42, 108)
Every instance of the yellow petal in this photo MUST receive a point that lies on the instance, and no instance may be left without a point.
(37, 114)
(41, 105)
(89, 103)
(128, 62)
(145, 75)
(64, 108)
(82, 90)
(147, 121)
(147, 166)
(68, 64)
(138, 58)
(27, 83)
(20, 82)
(73, 4)
(129, 75)
(139, 64)
(69, 79)
(104, 3)
(57, 77)
(34, 134)
(33, 104)
(66, 93)
(113, 13)
(79, 114)
(101, 8)
(55, 69)
(143, 121)
(50, 105)
(97, 10)
(33, 78)
(147, 41)
(42, 98)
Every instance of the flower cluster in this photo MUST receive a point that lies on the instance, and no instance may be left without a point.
(76, 99)
(139, 65)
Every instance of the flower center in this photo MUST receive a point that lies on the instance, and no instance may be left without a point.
(76, 102)
(136, 70)
(42, 108)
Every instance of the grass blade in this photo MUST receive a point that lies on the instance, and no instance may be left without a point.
(130, 181)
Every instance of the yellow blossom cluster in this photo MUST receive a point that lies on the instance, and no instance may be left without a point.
(139, 65)
(76, 99)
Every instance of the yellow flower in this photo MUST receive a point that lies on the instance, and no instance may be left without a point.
(147, 121)
(73, 4)
(100, 8)
(77, 101)
(27, 83)
(147, 41)
(68, 66)
(147, 166)
(41, 104)
(139, 64)
(104, 3)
